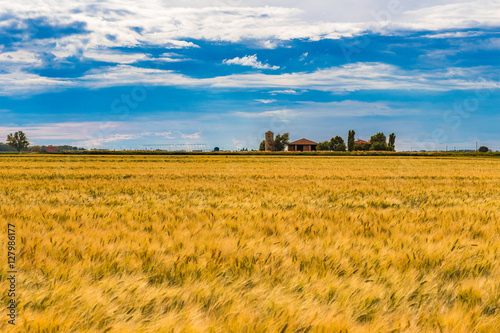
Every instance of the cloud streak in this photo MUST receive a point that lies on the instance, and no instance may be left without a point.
(250, 61)
(346, 78)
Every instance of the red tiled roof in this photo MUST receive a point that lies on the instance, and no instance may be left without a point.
(303, 142)
(359, 142)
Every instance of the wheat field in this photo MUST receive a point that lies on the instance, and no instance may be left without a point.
(253, 243)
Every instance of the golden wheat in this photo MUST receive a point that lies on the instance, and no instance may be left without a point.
(253, 243)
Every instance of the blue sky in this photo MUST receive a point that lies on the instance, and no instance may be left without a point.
(123, 74)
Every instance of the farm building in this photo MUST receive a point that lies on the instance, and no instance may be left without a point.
(269, 141)
(360, 142)
(302, 145)
(51, 149)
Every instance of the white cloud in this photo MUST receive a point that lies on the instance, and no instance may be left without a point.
(238, 143)
(347, 108)
(268, 44)
(347, 78)
(19, 57)
(457, 15)
(115, 56)
(456, 34)
(115, 24)
(249, 61)
(477, 45)
(18, 82)
(99, 133)
(65, 131)
(365, 76)
(266, 101)
(286, 113)
(166, 135)
(196, 135)
(285, 92)
(169, 23)
(112, 138)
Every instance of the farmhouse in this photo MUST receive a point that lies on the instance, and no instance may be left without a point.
(360, 142)
(51, 149)
(302, 145)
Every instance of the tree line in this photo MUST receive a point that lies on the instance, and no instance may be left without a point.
(58, 148)
(337, 143)
(377, 142)
(19, 142)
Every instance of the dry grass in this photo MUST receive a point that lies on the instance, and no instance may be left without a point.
(253, 243)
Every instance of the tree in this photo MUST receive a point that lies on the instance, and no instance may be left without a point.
(262, 145)
(378, 146)
(366, 146)
(281, 141)
(6, 147)
(36, 149)
(337, 144)
(483, 149)
(324, 145)
(379, 137)
(362, 146)
(378, 142)
(392, 141)
(18, 141)
(350, 140)
(216, 149)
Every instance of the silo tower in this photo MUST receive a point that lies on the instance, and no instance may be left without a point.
(269, 141)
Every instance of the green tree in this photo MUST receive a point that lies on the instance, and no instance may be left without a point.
(379, 142)
(379, 137)
(216, 149)
(378, 146)
(350, 140)
(392, 141)
(18, 141)
(281, 141)
(262, 145)
(324, 145)
(6, 147)
(362, 146)
(337, 144)
(483, 149)
(36, 149)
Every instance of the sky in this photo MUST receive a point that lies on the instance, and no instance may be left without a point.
(129, 74)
